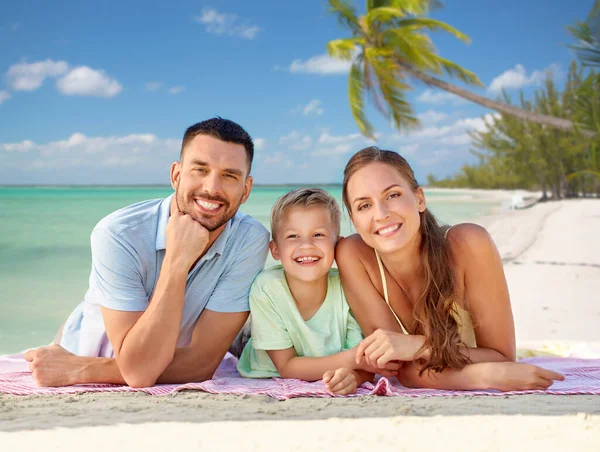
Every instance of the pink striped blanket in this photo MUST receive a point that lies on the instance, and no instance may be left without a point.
(582, 377)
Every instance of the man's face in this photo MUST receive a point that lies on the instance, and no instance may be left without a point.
(211, 181)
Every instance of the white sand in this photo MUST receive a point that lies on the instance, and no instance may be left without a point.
(552, 264)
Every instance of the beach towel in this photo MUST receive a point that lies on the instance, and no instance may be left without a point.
(582, 377)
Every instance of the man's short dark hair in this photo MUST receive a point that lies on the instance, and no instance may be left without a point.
(224, 130)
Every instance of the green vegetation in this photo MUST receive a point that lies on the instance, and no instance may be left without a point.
(389, 48)
(516, 154)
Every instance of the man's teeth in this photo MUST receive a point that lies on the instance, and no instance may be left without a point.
(307, 259)
(388, 230)
(207, 205)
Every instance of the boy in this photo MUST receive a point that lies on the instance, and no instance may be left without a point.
(301, 323)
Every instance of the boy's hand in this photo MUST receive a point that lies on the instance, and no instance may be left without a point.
(341, 381)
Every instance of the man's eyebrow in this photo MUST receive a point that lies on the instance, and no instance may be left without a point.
(363, 198)
(235, 171)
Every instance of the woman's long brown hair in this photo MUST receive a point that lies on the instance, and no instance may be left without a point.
(434, 311)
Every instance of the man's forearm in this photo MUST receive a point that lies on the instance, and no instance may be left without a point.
(149, 347)
(186, 367)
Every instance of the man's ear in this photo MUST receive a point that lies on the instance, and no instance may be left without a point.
(274, 250)
(175, 174)
(421, 204)
(247, 188)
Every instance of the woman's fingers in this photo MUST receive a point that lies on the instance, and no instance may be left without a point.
(360, 349)
(551, 375)
(384, 360)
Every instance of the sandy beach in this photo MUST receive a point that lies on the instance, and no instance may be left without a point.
(552, 263)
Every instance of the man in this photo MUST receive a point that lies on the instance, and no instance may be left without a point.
(170, 278)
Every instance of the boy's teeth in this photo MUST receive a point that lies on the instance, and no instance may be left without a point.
(207, 205)
(306, 259)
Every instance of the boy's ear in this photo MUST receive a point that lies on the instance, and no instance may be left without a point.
(274, 250)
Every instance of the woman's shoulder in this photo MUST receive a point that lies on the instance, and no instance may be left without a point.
(352, 247)
(468, 238)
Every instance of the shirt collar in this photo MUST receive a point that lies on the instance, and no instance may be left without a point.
(164, 212)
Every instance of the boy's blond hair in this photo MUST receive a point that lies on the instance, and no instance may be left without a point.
(305, 198)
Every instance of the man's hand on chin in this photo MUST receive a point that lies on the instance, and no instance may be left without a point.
(55, 366)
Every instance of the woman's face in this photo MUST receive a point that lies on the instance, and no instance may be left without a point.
(384, 208)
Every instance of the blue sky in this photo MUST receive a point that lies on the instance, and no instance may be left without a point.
(101, 92)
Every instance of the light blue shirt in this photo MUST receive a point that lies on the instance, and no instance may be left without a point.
(128, 248)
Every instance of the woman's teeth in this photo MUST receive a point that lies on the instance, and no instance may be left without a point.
(388, 229)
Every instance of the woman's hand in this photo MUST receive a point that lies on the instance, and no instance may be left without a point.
(341, 381)
(384, 346)
(511, 376)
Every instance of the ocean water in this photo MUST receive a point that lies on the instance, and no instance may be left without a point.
(45, 254)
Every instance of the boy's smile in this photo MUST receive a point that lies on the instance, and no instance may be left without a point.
(305, 243)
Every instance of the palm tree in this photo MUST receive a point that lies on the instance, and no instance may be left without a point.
(389, 47)
(587, 35)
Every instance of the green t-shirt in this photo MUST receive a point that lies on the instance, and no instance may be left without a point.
(277, 324)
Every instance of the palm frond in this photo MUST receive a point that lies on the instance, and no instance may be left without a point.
(346, 14)
(344, 49)
(414, 48)
(433, 25)
(392, 89)
(454, 70)
(356, 88)
(408, 7)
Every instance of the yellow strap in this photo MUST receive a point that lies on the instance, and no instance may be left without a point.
(385, 291)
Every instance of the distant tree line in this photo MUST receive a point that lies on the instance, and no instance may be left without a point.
(512, 153)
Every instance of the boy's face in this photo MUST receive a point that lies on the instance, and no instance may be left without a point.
(305, 243)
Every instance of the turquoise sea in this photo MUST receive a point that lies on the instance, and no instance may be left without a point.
(45, 254)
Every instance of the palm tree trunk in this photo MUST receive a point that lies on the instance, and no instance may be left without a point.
(559, 123)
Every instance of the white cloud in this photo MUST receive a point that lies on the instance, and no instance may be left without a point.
(260, 144)
(152, 86)
(4, 96)
(85, 81)
(454, 134)
(517, 78)
(439, 97)
(432, 117)
(30, 76)
(176, 89)
(79, 150)
(313, 108)
(226, 24)
(295, 141)
(23, 146)
(320, 64)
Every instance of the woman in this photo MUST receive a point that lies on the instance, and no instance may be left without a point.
(430, 296)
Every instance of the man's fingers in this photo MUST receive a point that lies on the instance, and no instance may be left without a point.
(327, 376)
(360, 349)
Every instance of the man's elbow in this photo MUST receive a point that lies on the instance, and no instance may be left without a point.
(137, 375)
